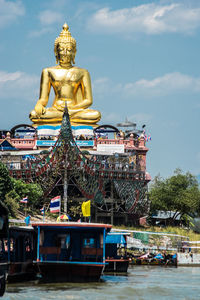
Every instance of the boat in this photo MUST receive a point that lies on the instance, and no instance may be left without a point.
(22, 252)
(189, 254)
(70, 251)
(159, 259)
(3, 258)
(116, 252)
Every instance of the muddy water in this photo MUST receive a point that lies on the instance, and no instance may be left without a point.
(141, 282)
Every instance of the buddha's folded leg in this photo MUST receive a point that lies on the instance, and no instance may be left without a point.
(86, 116)
(50, 113)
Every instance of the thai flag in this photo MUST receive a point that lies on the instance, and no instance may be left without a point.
(42, 210)
(24, 200)
(55, 204)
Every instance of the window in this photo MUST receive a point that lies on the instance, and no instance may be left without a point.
(89, 243)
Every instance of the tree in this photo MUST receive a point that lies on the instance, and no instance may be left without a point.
(13, 190)
(12, 203)
(32, 190)
(5, 181)
(180, 193)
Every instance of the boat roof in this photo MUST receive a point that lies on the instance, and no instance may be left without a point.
(115, 239)
(119, 233)
(71, 225)
(21, 228)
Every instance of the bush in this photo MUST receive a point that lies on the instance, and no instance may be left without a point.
(12, 203)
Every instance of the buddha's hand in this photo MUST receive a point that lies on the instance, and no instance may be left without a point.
(40, 109)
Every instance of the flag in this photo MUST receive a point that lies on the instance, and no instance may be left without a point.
(24, 200)
(55, 204)
(42, 210)
(86, 208)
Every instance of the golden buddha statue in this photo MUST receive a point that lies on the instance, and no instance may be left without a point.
(72, 87)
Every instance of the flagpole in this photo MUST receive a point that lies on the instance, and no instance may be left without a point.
(65, 173)
(44, 214)
(65, 186)
(60, 206)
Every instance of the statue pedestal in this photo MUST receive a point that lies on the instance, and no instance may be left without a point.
(53, 130)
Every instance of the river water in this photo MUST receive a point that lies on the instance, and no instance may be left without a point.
(141, 283)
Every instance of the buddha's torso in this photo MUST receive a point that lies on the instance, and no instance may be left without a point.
(65, 83)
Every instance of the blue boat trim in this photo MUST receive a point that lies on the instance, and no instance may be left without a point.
(71, 262)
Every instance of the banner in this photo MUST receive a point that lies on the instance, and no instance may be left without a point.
(86, 208)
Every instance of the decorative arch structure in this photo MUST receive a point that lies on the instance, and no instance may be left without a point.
(12, 131)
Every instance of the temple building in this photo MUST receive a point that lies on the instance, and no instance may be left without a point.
(67, 151)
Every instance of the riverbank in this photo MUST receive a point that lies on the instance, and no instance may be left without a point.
(189, 233)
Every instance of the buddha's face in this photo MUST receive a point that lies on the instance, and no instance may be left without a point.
(66, 53)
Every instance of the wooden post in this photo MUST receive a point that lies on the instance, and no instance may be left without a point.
(111, 196)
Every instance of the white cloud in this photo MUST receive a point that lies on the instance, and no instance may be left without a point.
(10, 11)
(101, 85)
(49, 17)
(40, 32)
(19, 85)
(153, 18)
(105, 85)
(169, 83)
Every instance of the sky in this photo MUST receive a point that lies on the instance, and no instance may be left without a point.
(143, 58)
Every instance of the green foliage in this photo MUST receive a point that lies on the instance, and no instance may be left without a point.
(31, 190)
(5, 181)
(12, 203)
(179, 193)
(74, 208)
(13, 190)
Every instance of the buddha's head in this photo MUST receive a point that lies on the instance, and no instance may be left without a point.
(65, 47)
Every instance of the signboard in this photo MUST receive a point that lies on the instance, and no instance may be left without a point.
(49, 143)
(111, 148)
(85, 143)
(45, 143)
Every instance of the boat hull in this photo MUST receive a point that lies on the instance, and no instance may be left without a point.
(116, 265)
(21, 271)
(3, 271)
(69, 272)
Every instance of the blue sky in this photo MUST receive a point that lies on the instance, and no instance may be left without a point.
(143, 58)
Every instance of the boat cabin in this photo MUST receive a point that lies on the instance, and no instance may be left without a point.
(3, 235)
(116, 252)
(20, 250)
(70, 251)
